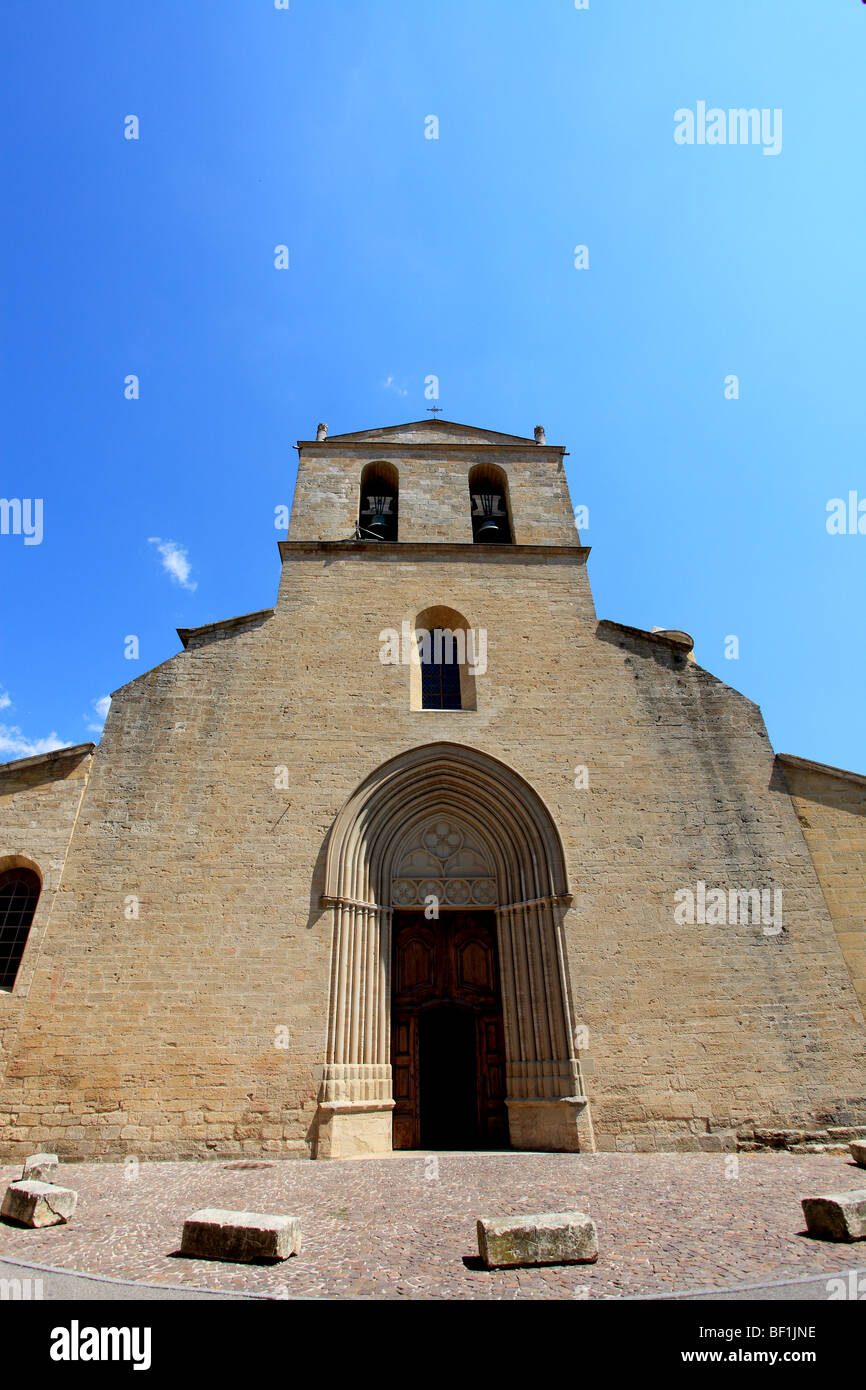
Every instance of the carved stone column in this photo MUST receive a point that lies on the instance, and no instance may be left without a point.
(355, 1099)
(547, 1107)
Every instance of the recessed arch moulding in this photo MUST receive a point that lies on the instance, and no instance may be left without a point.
(496, 846)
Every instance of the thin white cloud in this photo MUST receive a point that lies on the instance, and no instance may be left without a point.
(391, 384)
(14, 745)
(175, 562)
(5, 700)
(101, 708)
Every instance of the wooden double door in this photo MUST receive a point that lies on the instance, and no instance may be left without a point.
(447, 1046)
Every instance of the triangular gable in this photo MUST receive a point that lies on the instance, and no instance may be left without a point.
(426, 432)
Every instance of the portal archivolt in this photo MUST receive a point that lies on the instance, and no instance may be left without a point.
(448, 823)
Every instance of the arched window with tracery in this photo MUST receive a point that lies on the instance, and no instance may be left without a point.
(19, 894)
(491, 509)
(380, 495)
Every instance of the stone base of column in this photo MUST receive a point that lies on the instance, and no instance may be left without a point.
(353, 1129)
(559, 1125)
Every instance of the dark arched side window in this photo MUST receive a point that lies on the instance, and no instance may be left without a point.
(19, 894)
(380, 495)
(491, 513)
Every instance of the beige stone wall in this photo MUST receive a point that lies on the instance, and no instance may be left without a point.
(831, 806)
(157, 1036)
(39, 801)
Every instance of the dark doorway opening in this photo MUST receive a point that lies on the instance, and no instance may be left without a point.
(447, 1078)
(447, 1048)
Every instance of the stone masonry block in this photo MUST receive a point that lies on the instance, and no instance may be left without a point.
(40, 1168)
(38, 1204)
(836, 1215)
(240, 1236)
(560, 1237)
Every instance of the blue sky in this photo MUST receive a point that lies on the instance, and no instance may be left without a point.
(453, 257)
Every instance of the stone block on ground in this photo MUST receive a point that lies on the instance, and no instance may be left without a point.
(836, 1215)
(781, 1138)
(38, 1204)
(836, 1150)
(554, 1237)
(240, 1236)
(857, 1150)
(40, 1168)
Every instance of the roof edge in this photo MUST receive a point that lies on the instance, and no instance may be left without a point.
(674, 644)
(807, 765)
(224, 625)
(662, 637)
(435, 424)
(402, 445)
(74, 750)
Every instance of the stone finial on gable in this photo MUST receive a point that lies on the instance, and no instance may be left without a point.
(539, 434)
(321, 433)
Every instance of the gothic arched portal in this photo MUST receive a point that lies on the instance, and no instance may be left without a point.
(507, 857)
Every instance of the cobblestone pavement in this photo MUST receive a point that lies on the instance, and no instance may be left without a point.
(392, 1228)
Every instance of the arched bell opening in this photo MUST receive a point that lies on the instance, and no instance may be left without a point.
(491, 508)
(379, 502)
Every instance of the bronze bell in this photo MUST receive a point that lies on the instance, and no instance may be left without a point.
(377, 527)
(489, 527)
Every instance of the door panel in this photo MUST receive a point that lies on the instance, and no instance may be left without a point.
(404, 1051)
(447, 1047)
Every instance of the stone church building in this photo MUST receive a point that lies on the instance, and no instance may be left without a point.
(427, 856)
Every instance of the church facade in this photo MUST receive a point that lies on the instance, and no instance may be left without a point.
(427, 856)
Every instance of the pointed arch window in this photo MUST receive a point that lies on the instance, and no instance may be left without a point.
(380, 496)
(19, 894)
(491, 510)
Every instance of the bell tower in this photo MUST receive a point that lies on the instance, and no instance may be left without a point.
(432, 480)
(436, 563)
